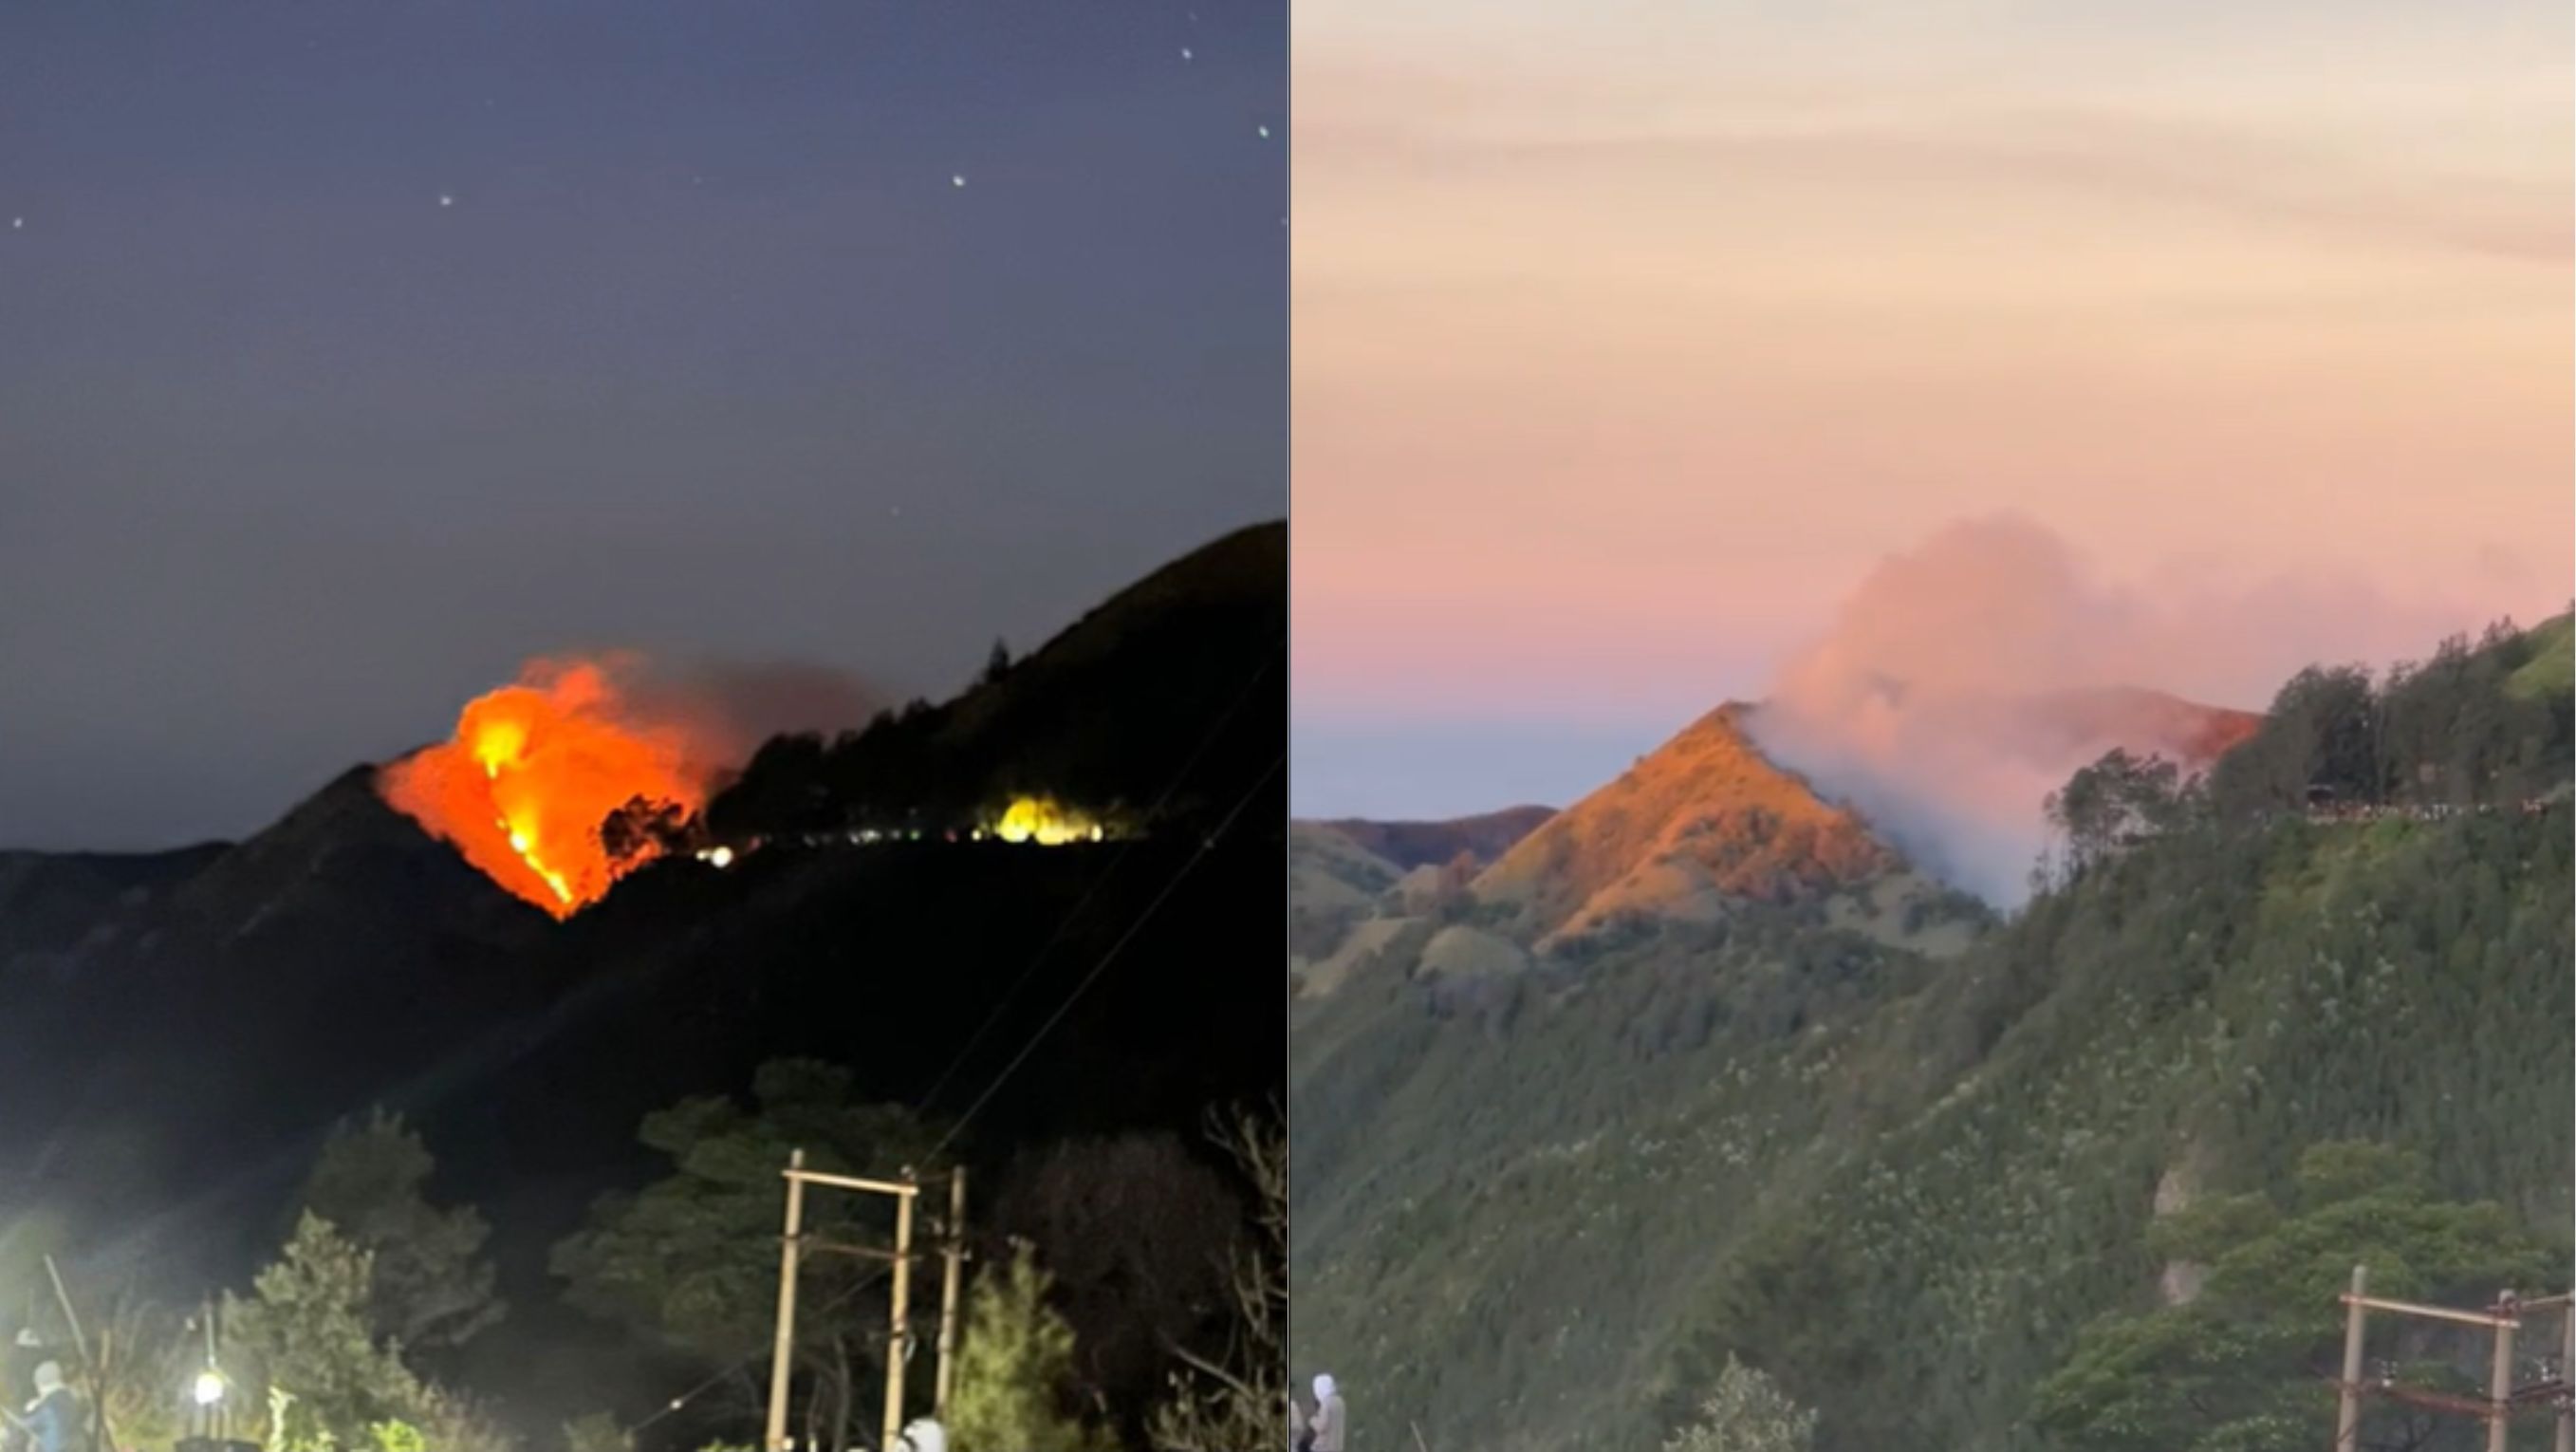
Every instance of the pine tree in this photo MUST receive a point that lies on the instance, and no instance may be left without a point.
(329, 1379)
(431, 1288)
(1013, 1365)
(307, 1327)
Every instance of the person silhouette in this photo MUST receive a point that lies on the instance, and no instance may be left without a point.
(1330, 1427)
(53, 1418)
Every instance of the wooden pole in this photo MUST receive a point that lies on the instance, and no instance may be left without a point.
(2500, 1381)
(2348, 1395)
(783, 1352)
(899, 1341)
(951, 1288)
(89, 1368)
(2567, 1379)
(219, 1422)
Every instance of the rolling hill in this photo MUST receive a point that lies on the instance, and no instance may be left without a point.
(1409, 845)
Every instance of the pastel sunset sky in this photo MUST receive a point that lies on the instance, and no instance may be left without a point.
(1629, 336)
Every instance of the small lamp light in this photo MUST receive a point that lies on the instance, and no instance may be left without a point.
(209, 1388)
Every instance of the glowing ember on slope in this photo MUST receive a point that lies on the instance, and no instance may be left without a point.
(535, 767)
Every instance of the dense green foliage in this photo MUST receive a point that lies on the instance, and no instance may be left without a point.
(2247, 1364)
(306, 1346)
(2489, 722)
(307, 1331)
(1547, 1211)
(1015, 1366)
(431, 1286)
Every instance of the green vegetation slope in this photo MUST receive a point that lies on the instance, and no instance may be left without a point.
(1899, 1174)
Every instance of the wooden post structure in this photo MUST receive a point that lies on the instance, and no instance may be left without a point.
(783, 1356)
(904, 1193)
(2567, 1379)
(952, 1285)
(89, 1365)
(2500, 1376)
(2348, 1395)
(899, 1344)
(2503, 1323)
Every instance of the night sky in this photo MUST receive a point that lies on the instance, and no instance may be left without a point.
(352, 353)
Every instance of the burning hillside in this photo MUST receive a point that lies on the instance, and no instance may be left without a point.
(536, 767)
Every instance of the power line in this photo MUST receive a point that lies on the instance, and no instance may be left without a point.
(993, 1015)
(1196, 857)
(1200, 854)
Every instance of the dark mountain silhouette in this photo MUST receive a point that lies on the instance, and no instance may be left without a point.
(52, 902)
(1435, 844)
(1106, 715)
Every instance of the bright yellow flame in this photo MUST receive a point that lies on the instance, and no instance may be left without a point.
(1044, 821)
(500, 743)
(523, 842)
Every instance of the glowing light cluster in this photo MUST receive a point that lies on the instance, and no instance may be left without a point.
(1046, 822)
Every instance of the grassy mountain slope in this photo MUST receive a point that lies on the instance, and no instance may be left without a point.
(2550, 673)
(1702, 821)
(1789, 1142)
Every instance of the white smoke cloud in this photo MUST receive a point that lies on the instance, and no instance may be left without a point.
(1917, 707)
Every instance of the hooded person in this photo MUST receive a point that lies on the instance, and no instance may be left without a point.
(53, 1418)
(1329, 1428)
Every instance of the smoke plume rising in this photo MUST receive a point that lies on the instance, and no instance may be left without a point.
(1963, 681)
(534, 767)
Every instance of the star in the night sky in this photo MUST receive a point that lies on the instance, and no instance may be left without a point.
(445, 200)
(1186, 55)
(958, 180)
(1264, 132)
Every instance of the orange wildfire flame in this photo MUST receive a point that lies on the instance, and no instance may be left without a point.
(533, 770)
